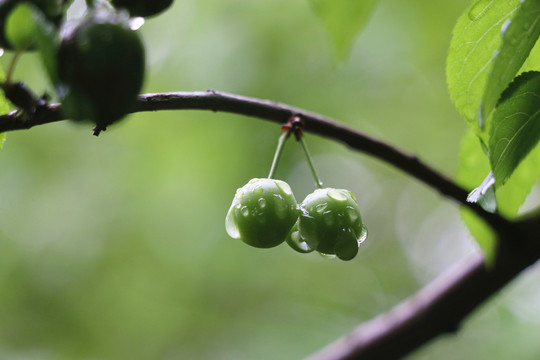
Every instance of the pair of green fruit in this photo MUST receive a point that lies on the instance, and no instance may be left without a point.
(96, 64)
(264, 213)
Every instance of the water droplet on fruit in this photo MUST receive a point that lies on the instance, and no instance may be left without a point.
(136, 23)
(337, 195)
(504, 27)
(295, 236)
(352, 213)
(283, 186)
(321, 207)
(327, 256)
(258, 190)
(363, 234)
(346, 246)
(245, 211)
(239, 194)
(230, 225)
(262, 203)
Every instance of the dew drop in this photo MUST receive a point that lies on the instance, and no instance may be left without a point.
(258, 190)
(302, 245)
(283, 186)
(352, 213)
(239, 194)
(136, 23)
(363, 234)
(337, 195)
(321, 207)
(328, 256)
(262, 203)
(245, 211)
(230, 225)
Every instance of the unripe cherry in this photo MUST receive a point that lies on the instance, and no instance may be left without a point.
(331, 223)
(262, 213)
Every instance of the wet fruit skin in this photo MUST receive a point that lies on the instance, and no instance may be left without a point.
(294, 240)
(54, 11)
(101, 69)
(144, 8)
(331, 223)
(262, 213)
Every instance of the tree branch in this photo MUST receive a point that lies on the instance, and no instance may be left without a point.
(280, 113)
(438, 308)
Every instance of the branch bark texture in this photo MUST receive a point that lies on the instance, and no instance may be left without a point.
(438, 308)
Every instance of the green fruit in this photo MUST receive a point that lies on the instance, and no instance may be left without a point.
(53, 10)
(262, 213)
(100, 69)
(331, 223)
(144, 8)
(294, 240)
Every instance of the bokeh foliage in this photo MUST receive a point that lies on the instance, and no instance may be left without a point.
(115, 248)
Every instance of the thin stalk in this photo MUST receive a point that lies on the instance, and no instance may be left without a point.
(277, 155)
(318, 181)
(11, 66)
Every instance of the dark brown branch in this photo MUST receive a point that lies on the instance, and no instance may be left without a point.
(317, 124)
(280, 113)
(437, 309)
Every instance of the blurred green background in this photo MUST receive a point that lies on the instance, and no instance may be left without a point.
(115, 247)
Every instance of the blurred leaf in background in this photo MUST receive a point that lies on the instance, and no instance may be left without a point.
(343, 20)
(115, 247)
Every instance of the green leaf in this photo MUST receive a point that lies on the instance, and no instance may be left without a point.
(48, 43)
(20, 27)
(4, 109)
(519, 36)
(515, 129)
(473, 167)
(27, 27)
(512, 195)
(476, 37)
(343, 20)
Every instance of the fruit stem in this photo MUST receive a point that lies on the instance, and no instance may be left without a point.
(318, 181)
(11, 66)
(281, 142)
